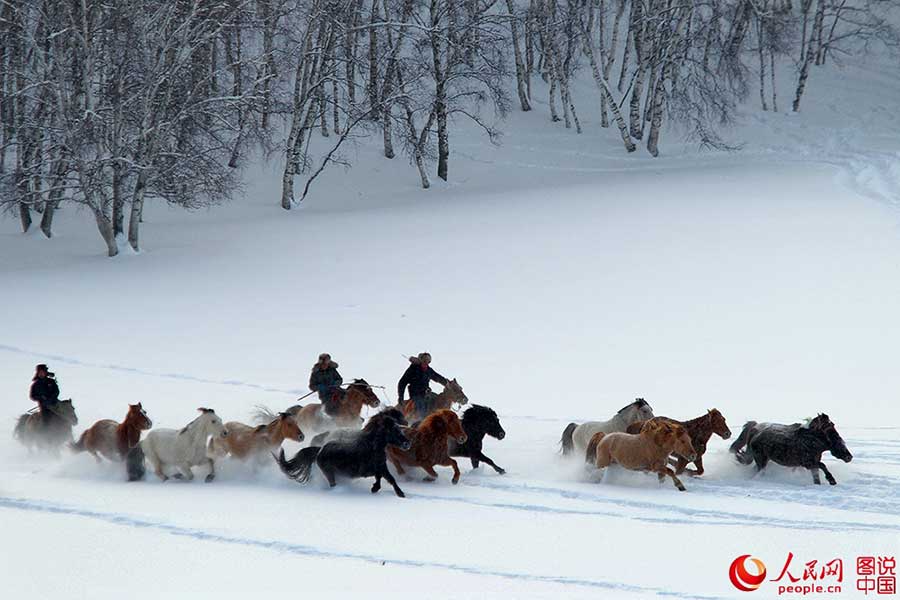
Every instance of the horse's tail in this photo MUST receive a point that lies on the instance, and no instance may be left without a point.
(19, 431)
(568, 443)
(134, 463)
(737, 448)
(299, 468)
(79, 445)
(590, 455)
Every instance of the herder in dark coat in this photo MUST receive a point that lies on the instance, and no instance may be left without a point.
(326, 380)
(44, 391)
(417, 377)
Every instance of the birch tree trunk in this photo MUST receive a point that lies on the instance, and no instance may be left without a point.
(520, 66)
(810, 53)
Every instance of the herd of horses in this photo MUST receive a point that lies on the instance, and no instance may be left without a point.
(344, 445)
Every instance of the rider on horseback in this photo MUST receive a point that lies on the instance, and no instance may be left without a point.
(417, 377)
(44, 391)
(326, 380)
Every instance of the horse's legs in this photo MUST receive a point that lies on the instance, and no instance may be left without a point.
(212, 471)
(329, 475)
(675, 479)
(699, 463)
(455, 466)
(377, 485)
(761, 461)
(157, 466)
(815, 474)
(828, 476)
(390, 479)
(432, 474)
(499, 470)
(186, 471)
(475, 460)
(681, 464)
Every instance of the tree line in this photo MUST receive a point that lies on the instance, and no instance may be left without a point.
(109, 105)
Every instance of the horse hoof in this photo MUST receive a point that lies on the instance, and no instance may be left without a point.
(176, 476)
(375, 489)
(400, 494)
(429, 479)
(455, 480)
(682, 489)
(832, 482)
(210, 477)
(501, 471)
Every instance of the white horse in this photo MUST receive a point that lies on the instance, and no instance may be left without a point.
(183, 449)
(579, 436)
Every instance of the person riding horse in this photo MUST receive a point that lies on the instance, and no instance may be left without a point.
(417, 376)
(326, 380)
(44, 391)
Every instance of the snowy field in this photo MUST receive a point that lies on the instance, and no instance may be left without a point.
(557, 279)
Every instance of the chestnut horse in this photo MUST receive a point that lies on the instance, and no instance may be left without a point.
(430, 440)
(111, 439)
(312, 417)
(245, 441)
(451, 393)
(648, 450)
(700, 430)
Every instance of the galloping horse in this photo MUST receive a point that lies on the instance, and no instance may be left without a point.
(312, 417)
(33, 432)
(451, 393)
(112, 439)
(578, 436)
(700, 430)
(430, 440)
(363, 456)
(477, 422)
(245, 441)
(648, 450)
(181, 448)
(796, 445)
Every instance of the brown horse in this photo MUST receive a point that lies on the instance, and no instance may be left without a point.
(32, 430)
(312, 417)
(648, 450)
(245, 440)
(111, 439)
(700, 430)
(430, 440)
(451, 393)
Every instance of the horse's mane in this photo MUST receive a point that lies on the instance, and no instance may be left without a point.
(638, 403)
(477, 411)
(197, 418)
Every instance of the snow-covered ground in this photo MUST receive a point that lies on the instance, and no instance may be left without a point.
(557, 279)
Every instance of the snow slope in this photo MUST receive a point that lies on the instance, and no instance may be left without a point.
(557, 279)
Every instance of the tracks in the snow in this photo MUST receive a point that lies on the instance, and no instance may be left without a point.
(24, 504)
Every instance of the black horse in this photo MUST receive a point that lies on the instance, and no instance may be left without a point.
(346, 435)
(362, 456)
(795, 445)
(477, 422)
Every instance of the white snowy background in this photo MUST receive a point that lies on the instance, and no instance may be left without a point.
(557, 279)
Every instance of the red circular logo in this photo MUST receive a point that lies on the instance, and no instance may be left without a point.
(743, 579)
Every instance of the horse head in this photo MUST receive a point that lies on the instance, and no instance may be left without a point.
(670, 436)
(454, 426)
(483, 419)
(718, 424)
(362, 387)
(65, 410)
(138, 416)
(456, 392)
(210, 422)
(638, 410)
(392, 434)
(822, 423)
(286, 426)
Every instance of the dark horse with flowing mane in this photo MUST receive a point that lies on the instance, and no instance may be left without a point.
(796, 445)
(362, 456)
(111, 439)
(32, 431)
(700, 430)
(477, 422)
